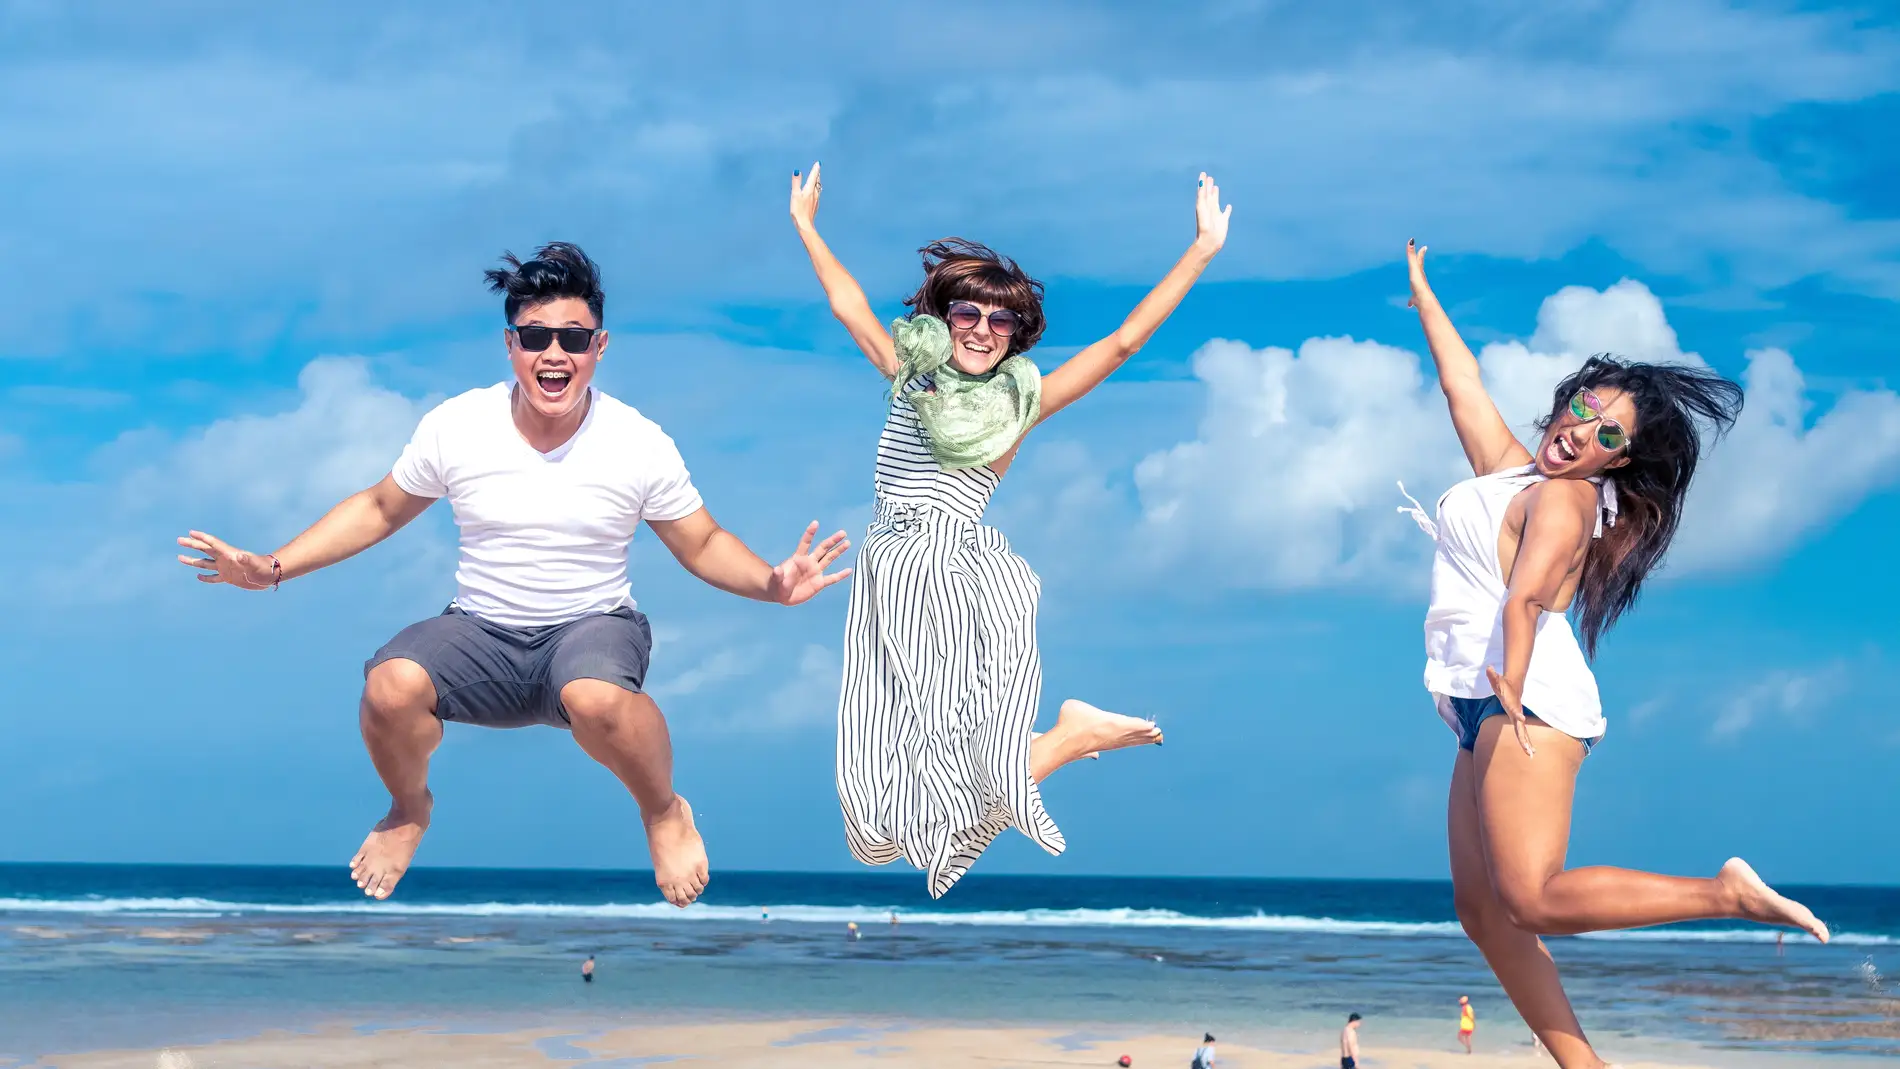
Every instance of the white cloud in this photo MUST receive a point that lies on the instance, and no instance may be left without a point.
(292, 156)
(1289, 481)
(252, 479)
(721, 665)
(1783, 693)
(288, 468)
(1778, 476)
(742, 695)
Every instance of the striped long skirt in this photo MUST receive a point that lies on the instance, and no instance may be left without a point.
(941, 684)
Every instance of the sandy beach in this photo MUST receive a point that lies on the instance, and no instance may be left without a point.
(273, 966)
(786, 1044)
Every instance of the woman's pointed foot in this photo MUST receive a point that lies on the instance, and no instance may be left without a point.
(1756, 901)
(1094, 731)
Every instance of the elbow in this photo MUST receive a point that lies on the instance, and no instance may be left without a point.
(1524, 606)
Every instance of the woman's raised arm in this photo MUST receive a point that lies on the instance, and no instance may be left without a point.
(848, 302)
(1489, 444)
(1085, 370)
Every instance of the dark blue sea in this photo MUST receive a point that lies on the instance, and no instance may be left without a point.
(105, 956)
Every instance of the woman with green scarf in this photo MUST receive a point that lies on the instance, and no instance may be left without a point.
(937, 751)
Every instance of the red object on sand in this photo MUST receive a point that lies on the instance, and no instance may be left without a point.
(1125, 1061)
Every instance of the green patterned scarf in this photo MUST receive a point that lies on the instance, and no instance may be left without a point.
(969, 420)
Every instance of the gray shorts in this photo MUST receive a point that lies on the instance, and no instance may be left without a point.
(497, 676)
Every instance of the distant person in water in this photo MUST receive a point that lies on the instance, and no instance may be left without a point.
(937, 748)
(1573, 528)
(851, 930)
(1349, 1043)
(587, 970)
(549, 479)
(1467, 1021)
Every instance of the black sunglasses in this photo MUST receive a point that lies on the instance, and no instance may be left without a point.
(574, 340)
(965, 316)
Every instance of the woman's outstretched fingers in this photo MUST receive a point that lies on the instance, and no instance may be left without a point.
(805, 196)
(1513, 706)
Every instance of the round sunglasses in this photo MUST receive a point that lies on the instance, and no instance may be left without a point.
(965, 316)
(1587, 406)
(574, 340)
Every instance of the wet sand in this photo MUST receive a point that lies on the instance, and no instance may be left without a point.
(786, 1044)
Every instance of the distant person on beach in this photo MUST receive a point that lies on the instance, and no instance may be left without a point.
(937, 751)
(587, 970)
(1575, 527)
(1467, 1021)
(1349, 1043)
(549, 479)
(1204, 1055)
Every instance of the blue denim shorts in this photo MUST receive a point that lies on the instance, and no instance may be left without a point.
(1473, 711)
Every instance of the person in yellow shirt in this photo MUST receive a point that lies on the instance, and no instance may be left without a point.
(1467, 1021)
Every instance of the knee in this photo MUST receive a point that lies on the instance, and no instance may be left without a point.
(1474, 912)
(1525, 907)
(395, 689)
(593, 704)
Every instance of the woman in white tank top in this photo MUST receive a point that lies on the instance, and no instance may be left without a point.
(1573, 529)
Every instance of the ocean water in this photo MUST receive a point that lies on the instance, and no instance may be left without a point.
(98, 956)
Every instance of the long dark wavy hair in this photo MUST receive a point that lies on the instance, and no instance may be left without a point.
(1676, 406)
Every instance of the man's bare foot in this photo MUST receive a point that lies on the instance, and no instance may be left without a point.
(1088, 731)
(385, 855)
(1757, 901)
(679, 854)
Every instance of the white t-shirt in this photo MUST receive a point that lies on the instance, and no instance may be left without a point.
(544, 535)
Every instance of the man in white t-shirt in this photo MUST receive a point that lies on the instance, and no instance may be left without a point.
(549, 479)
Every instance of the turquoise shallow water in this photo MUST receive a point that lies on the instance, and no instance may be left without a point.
(143, 956)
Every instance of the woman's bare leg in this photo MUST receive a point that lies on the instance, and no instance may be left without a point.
(1083, 730)
(1524, 808)
(1521, 963)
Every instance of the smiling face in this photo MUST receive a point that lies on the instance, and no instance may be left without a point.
(977, 348)
(1572, 446)
(553, 382)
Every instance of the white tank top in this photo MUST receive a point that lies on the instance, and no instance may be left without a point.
(1464, 628)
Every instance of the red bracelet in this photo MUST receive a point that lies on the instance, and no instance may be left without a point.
(276, 571)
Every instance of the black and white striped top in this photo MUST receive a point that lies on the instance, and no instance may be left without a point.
(907, 473)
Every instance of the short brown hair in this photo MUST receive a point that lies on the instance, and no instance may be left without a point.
(956, 269)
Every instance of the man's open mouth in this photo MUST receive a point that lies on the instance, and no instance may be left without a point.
(553, 383)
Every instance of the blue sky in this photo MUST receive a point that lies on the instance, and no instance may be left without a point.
(246, 251)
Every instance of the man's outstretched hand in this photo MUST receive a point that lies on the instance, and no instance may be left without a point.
(802, 575)
(232, 566)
